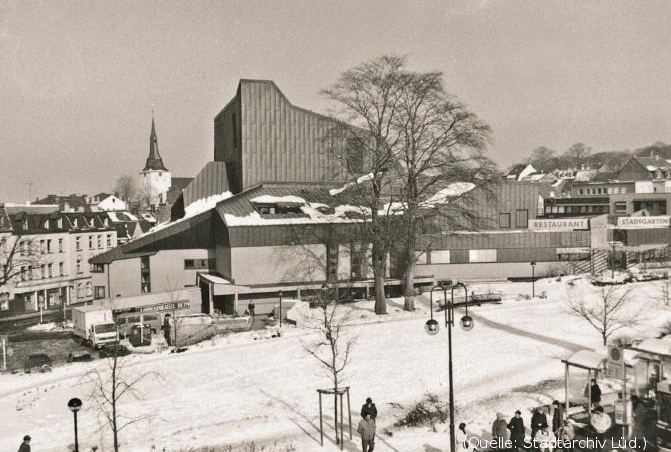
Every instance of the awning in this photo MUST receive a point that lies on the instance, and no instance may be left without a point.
(586, 359)
(654, 346)
(222, 286)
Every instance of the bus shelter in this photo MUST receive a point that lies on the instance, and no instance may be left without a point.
(653, 355)
(587, 360)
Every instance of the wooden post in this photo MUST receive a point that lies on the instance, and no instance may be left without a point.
(321, 425)
(566, 386)
(349, 414)
(589, 393)
(625, 427)
(341, 422)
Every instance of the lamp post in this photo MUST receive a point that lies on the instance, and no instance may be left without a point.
(75, 405)
(280, 294)
(432, 327)
(533, 279)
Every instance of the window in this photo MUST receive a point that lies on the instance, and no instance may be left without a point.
(100, 241)
(97, 268)
(189, 264)
(99, 292)
(60, 245)
(49, 246)
(78, 243)
(504, 220)
(30, 272)
(420, 257)
(24, 273)
(51, 274)
(43, 246)
(89, 289)
(332, 256)
(75, 223)
(481, 255)
(80, 291)
(145, 275)
(109, 240)
(580, 191)
(90, 242)
(197, 264)
(24, 247)
(79, 264)
(522, 218)
(440, 256)
(357, 261)
(61, 269)
(620, 207)
(43, 271)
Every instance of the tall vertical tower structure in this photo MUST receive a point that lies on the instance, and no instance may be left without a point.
(155, 176)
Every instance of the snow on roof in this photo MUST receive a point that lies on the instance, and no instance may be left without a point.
(360, 180)
(148, 217)
(121, 216)
(655, 346)
(267, 199)
(586, 358)
(444, 195)
(205, 204)
(312, 215)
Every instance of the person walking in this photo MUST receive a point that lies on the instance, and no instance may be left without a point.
(461, 439)
(500, 432)
(25, 445)
(565, 436)
(538, 421)
(369, 408)
(366, 429)
(557, 416)
(544, 439)
(595, 395)
(166, 329)
(516, 427)
(251, 307)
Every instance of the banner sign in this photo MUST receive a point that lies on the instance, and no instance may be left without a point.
(176, 305)
(643, 222)
(559, 224)
(615, 363)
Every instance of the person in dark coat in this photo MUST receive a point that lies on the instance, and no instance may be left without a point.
(516, 427)
(166, 328)
(538, 421)
(595, 394)
(25, 445)
(250, 308)
(557, 416)
(369, 408)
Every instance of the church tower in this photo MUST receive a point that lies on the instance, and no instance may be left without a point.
(155, 176)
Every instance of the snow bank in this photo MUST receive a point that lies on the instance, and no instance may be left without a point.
(267, 199)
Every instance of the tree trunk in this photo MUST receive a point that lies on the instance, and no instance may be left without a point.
(605, 339)
(409, 276)
(379, 270)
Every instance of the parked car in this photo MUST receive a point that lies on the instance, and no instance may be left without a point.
(140, 336)
(111, 350)
(79, 358)
(125, 322)
(38, 361)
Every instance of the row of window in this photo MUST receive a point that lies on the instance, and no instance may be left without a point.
(46, 271)
(443, 256)
(521, 219)
(602, 191)
(578, 209)
(94, 240)
(199, 264)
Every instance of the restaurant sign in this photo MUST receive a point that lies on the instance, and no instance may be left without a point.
(644, 222)
(175, 305)
(559, 224)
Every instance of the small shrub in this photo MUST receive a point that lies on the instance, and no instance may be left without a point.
(427, 412)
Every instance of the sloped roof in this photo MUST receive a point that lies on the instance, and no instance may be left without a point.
(654, 163)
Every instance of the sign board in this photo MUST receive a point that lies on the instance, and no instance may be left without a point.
(619, 412)
(175, 305)
(662, 221)
(559, 224)
(615, 363)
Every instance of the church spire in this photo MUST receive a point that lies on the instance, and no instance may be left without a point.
(154, 161)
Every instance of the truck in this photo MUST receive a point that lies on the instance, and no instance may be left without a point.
(94, 326)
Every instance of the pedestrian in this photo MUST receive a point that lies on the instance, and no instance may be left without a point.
(367, 431)
(557, 415)
(369, 408)
(251, 307)
(544, 439)
(516, 427)
(166, 328)
(538, 421)
(595, 395)
(462, 439)
(25, 445)
(500, 432)
(565, 436)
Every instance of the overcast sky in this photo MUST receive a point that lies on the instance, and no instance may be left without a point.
(78, 80)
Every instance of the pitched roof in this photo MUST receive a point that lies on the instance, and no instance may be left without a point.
(654, 163)
(74, 202)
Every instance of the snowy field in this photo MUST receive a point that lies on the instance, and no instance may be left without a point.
(237, 389)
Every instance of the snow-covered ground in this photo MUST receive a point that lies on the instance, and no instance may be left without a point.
(237, 388)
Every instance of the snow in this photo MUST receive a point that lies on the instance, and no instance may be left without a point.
(310, 210)
(360, 180)
(444, 195)
(42, 327)
(205, 204)
(121, 216)
(267, 199)
(252, 387)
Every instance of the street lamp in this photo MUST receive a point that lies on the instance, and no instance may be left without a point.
(432, 328)
(280, 294)
(533, 279)
(75, 405)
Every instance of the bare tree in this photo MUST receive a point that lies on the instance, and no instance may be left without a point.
(113, 382)
(607, 312)
(19, 255)
(440, 155)
(578, 153)
(333, 346)
(368, 98)
(127, 187)
(542, 158)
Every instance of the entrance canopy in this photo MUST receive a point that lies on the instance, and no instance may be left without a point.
(585, 359)
(222, 286)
